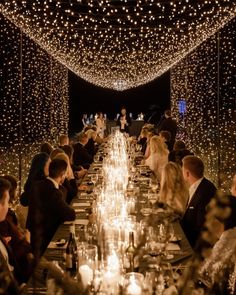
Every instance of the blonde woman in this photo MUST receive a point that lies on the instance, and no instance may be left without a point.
(158, 156)
(174, 192)
(147, 153)
(69, 186)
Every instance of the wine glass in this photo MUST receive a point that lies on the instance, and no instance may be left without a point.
(94, 178)
(154, 184)
(96, 158)
(152, 197)
(146, 209)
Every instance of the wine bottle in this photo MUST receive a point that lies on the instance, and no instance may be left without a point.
(131, 258)
(71, 253)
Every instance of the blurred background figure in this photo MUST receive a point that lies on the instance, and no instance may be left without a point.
(101, 124)
(179, 152)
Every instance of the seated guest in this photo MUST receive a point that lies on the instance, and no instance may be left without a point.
(68, 186)
(142, 140)
(169, 124)
(147, 152)
(8, 283)
(201, 191)
(85, 120)
(230, 222)
(179, 152)
(14, 249)
(218, 268)
(174, 191)
(47, 209)
(91, 145)
(63, 140)
(81, 156)
(46, 147)
(14, 213)
(97, 138)
(79, 171)
(11, 216)
(158, 156)
(123, 121)
(166, 137)
(55, 152)
(38, 171)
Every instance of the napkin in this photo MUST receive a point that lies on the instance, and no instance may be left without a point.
(172, 247)
(56, 245)
(84, 204)
(78, 210)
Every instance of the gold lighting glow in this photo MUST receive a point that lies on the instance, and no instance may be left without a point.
(205, 80)
(34, 100)
(108, 42)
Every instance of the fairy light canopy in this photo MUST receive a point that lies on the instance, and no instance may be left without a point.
(119, 44)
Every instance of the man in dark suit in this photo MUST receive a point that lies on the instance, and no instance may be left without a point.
(81, 156)
(169, 124)
(201, 191)
(47, 208)
(124, 121)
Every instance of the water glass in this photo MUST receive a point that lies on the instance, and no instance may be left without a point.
(88, 259)
(133, 283)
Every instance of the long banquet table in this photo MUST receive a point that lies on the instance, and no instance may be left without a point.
(82, 204)
(134, 129)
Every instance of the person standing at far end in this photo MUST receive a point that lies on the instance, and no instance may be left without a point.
(124, 121)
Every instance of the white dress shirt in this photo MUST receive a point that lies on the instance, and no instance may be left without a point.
(193, 189)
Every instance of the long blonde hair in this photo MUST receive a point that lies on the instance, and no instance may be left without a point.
(174, 191)
(158, 146)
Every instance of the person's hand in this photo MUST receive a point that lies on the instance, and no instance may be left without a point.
(27, 235)
(81, 173)
(7, 239)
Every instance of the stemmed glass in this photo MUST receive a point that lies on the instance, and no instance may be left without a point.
(96, 158)
(152, 197)
(154, 184)
(94, 178)
(146, 209)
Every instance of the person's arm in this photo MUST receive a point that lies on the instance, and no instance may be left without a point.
(71, 188)
(64, 211)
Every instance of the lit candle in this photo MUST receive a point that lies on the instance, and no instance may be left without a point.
(86, 274)
(134, 289)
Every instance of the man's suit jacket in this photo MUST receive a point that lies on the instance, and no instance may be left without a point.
(81, 156)
(47, 210)
(194, 217)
